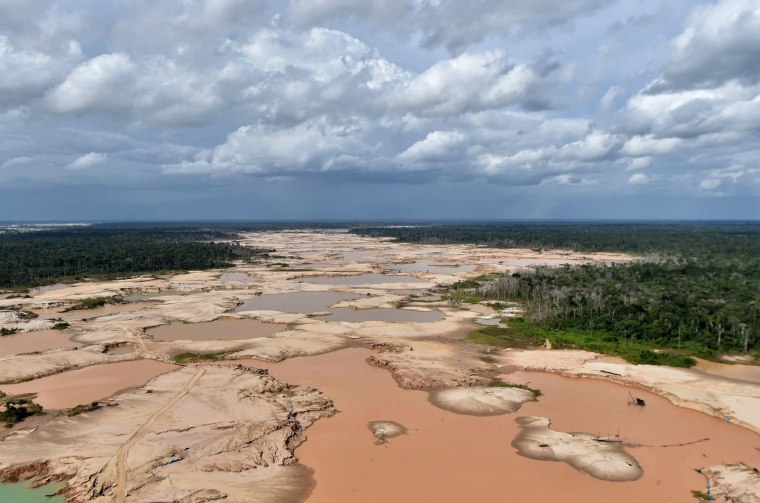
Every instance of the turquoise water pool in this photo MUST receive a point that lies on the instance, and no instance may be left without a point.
(22, 493)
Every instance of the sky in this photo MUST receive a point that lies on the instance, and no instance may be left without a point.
(393, 109)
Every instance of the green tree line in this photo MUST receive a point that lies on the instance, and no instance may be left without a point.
(29, 259)
(695, 287)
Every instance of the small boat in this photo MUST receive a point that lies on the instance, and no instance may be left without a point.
(639, 402)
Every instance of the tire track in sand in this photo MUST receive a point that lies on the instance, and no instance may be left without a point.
(121, 455)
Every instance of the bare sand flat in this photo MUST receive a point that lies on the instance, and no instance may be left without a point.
(224, 329)
(361, 256)
(81, 314)
(39, 340)
(82, 386)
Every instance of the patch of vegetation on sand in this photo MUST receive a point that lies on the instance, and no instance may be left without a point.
(503, 337)
(81, 409)
(90, 303)
(498, 383)
(184, 358)
(522, 334)
(26, 315)
(17, 408)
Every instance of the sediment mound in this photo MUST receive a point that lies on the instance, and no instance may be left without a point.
(480, 401)
(605, 460)
(383, 430)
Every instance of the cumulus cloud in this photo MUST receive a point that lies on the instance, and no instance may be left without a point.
(313, 146)
(105, 82)
(708, 93)
(447, 23)
(710, 183)
(456, 24)
(639, 163)
(438, 146)
(720, 43)
(378, 14)
(16, 161)
(26, 73)
(88, 160)
(375, 91)
(638, 179)
(470, 82)
(608, 100)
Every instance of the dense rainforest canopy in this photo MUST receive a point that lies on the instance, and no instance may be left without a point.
(33, 258)
(696, 286)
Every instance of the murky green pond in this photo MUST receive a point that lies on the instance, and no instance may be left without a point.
(22, 493)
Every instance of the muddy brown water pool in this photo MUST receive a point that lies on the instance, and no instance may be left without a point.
(749, 373)
(224, 329)
(449, 457)
(362, 279)
(49, 288)
(137, 297)
(295, 302)
(236, 277)
(82, 386)
(379, 314)
(125, 350)
(425, 266)
(363, 255)
(39, 340)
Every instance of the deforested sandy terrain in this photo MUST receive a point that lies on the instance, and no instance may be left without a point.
(344, 377)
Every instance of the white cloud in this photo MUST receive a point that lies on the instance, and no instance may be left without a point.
(639, 163)
(610, 97)
(16, 161)
(710, 183)
(596, 146)
(105, 82)
(26, 74)
(438, 146)
(639, 146)
(367, 88)
(638, 179)
(378, 14)
(468, 83)
(326, 55)
(313, 146)
(455, 24)
(88, 160)
(719, 43)
(449, 23)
